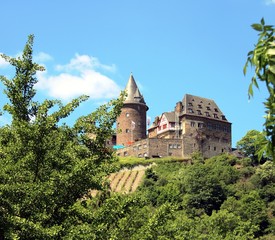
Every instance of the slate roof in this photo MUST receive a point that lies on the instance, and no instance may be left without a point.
(194, 105)
(170, 116)
(133, 93)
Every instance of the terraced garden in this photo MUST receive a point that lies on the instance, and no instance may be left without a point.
(127, 180)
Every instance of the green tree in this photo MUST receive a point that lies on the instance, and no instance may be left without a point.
(251, 208)
(203, 189)
(250, 144)
(45, 168)
(262, 58)
(20, 89)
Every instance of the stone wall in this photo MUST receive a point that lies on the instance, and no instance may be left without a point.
(153, 147)
(131, 124)
(209, 137)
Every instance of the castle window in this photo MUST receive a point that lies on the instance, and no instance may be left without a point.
(178, 146)
(215, 148)
(192, 124)
(200, 125)
(170, 145)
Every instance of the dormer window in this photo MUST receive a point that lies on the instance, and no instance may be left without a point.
(199, 112)
(190, 110)
(216, 110)
(199, 106)
(207, 114)
(190, 104)
(216, 115)
(223, 117)
(208, 108)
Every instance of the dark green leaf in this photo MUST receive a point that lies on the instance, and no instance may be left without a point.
(257, 27)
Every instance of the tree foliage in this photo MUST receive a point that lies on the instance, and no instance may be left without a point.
(251, 144)
(45, 167)
(262, 58)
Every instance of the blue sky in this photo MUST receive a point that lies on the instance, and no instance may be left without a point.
(172, 48)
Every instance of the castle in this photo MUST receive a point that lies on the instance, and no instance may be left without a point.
(196, 125)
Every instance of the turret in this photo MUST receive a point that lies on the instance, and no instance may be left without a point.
(131, 124)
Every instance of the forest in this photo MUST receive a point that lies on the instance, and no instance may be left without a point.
(48, 169)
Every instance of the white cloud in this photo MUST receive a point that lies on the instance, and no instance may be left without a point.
(84, 62)
(269, 2)
(42, 57)
(3, 62)
(80, 76)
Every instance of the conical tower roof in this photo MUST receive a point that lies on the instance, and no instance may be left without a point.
(133, 93)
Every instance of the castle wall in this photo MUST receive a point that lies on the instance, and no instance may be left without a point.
(153, 147)
(131, 124)
(165, 147)
(207, 136)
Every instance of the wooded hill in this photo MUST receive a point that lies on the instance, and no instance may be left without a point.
(221, 198)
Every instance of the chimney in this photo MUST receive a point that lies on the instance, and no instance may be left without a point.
(178, 107)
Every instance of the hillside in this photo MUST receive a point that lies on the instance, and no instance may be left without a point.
(221, 198)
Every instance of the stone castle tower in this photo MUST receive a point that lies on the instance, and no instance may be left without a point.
(131, 124)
